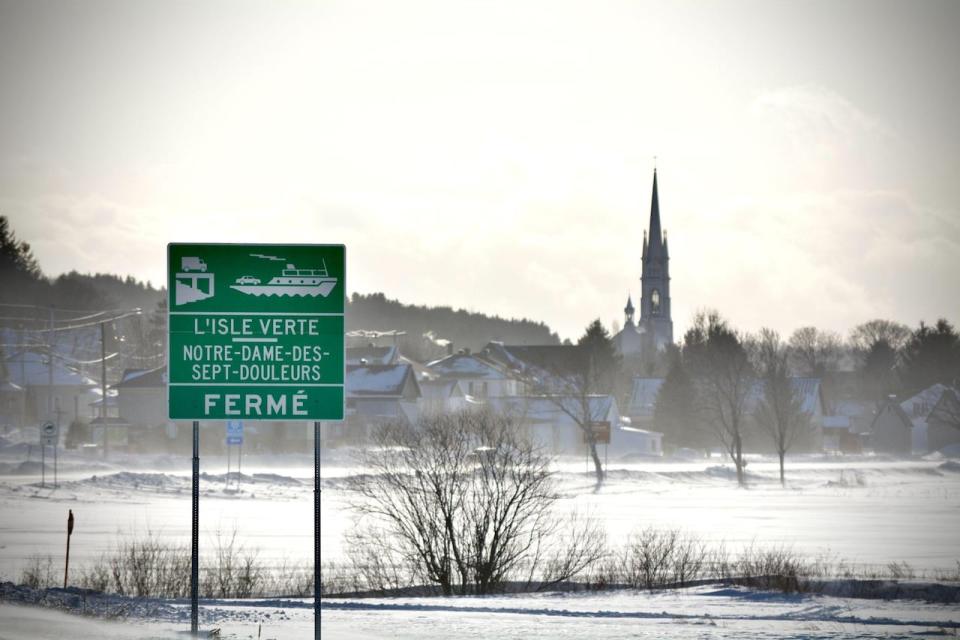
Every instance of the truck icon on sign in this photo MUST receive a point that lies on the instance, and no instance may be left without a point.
(192, 263)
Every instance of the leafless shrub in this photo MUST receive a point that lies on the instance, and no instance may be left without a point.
(234, 572)
(461, 501)
(655, 558)
(900, 571)
(39, 573)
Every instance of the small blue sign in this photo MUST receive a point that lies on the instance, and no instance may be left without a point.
(234, 432)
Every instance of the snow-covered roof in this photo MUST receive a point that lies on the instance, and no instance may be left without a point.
(919, 406)
(379, 380)
(893, 409)
(807, 391)
(643, 398)
(645, 432)
(836, 422)
(9, 387)
(462, 365)
(553, 359)
(27, 368)
(143, 378)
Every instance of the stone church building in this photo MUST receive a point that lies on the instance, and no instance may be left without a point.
(642, 339)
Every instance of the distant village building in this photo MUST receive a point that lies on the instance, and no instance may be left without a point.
(479, 374)
(375, 394)
(927, 411)
(442, 396)
(642, 340)
(70, 391)
(891, 430)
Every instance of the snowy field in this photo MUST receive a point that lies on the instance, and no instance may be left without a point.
(866, 511)
(701, 612)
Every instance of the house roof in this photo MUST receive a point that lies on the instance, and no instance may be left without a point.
(143, 378)
(836, 422)
(379, 380)
(10, 387)
(807, 391)
(896, 411)
(26, 368)
(472, 366)
(919, 405)
(553, 359)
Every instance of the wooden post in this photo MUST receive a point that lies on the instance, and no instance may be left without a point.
(66, 568)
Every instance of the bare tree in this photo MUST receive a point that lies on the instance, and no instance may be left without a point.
(779, 411)
(814, 352)
(720, 367)
(864, 336)
(574, 383)
(467, 503)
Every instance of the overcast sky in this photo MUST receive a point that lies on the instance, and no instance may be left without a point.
(497, 156)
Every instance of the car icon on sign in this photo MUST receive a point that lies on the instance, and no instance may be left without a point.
(248, 280)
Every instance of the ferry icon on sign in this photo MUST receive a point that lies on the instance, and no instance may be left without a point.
(193, 283)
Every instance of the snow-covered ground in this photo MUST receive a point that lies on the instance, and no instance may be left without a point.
(699, 612)
(868, 511)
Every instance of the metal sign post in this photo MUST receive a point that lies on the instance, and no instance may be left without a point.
(256, 332)
(195, 535)
(316, 530)
(48, 435)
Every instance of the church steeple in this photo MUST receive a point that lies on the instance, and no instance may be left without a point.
(656, 235)
(655, 318)
(628, 311)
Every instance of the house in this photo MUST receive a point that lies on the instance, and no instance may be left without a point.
(919, 408)
(480, 375)
(13, 399)
(643, 401)
(375, 394)
(442, 396)
(891, 430)
(45, 381)
(142, 396)
(943, 422)
(553, 422)
(838, 436)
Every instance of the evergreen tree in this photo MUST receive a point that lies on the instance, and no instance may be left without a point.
(673, 413)
(931, 355)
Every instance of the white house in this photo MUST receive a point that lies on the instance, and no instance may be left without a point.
(479, 376)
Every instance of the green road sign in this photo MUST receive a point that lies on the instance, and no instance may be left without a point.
(255, 331)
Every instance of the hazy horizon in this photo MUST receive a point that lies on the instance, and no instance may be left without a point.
(498, 157)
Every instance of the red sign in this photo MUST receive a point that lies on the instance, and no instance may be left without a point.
(601, 433)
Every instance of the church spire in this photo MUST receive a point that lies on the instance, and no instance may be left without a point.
(628, 311)
(656, 236)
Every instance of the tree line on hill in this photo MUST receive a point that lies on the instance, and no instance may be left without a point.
(27, 293)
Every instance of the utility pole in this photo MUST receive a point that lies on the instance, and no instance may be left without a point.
(103, 387)
(50, 363)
